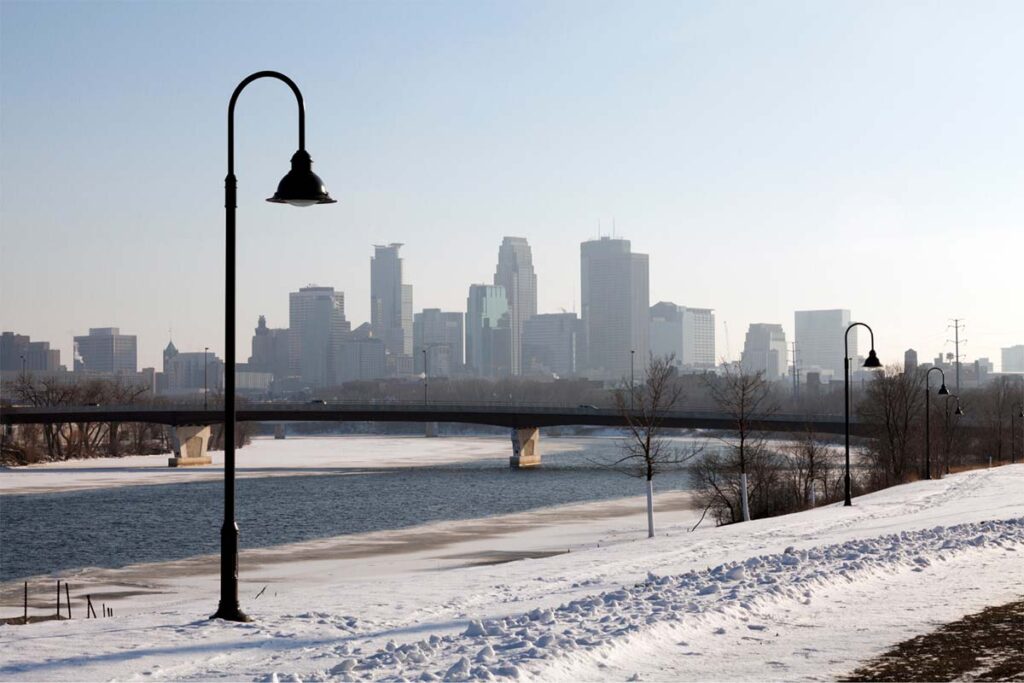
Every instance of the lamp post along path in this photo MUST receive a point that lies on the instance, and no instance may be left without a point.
(943, 391)
(299, 187)
(871, 362)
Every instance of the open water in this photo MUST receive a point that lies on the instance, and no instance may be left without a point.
(113, 527)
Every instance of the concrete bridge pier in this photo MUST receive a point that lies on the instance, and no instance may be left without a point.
(189, 445)
(525, 448)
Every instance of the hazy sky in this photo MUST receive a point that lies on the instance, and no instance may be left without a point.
(769, 156)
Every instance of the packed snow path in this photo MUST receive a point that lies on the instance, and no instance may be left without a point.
(737, 590)
(810, 595)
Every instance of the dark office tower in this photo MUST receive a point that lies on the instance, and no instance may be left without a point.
(440, 334)
(274, 350)
(550, 343)
(390, 301)
(615, 300)
(19, 353)
(316, 316)
(909, 361)
(515, 274)
(106, 350)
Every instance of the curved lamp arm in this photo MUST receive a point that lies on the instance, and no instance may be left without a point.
(929, 373)
(234, 98)
(846, 337)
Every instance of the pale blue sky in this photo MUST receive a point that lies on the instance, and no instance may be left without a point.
(770, 156)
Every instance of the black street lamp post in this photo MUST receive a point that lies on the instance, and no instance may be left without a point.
(871, 362)
(300, 187)
(943, 391)
(958, 413)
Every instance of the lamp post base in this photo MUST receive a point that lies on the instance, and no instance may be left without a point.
(229, 608)
(231, 613)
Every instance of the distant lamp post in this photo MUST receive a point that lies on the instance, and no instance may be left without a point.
(206, 364)
(299, 187)
(871, 362)
(24, 372)
(943, 391)
(959, 412)
(424, 376)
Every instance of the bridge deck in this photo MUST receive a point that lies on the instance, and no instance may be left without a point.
(511, 416)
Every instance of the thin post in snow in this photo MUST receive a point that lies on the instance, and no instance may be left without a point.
(58, 599)
(25, 618)
(67, 594)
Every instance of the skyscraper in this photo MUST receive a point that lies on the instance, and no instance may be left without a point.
(18, 352)
(488, 333)
(819, 336)
(764, 350)
(274, 350)
(515, 274)
(316, 316)
(687, 333)
(614, 299)
(390, 301)
(106, 350)
(1013, 358)
(550, 343)
(440, 334)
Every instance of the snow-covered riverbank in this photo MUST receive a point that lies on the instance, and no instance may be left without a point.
(803, 596)
(267, 457)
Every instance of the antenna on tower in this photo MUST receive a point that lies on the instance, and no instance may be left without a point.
(613, 227)
(598, 228)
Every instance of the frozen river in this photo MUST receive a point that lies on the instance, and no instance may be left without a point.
(115, 526)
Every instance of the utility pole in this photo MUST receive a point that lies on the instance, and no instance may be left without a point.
(957, 324)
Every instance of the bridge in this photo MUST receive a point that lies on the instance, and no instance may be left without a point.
(192, 424)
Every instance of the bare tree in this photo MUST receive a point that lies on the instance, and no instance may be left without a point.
(746, 397)
(892, 406)
(814, 471)
(646, 450)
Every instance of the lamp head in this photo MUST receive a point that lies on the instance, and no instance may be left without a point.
(959, 410)
(1021, 413)
(301, 187)
(872, 360)
(943, 391)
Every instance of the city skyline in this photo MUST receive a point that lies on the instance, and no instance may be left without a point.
(849, 192)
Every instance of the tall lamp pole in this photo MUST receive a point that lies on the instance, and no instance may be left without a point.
(23, 371)
(943, 391)
(299, 187)
(871, 362)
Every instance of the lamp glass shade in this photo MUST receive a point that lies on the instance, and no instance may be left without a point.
(301, 187)
(959, 410)
(872, 360)
(943, 391)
